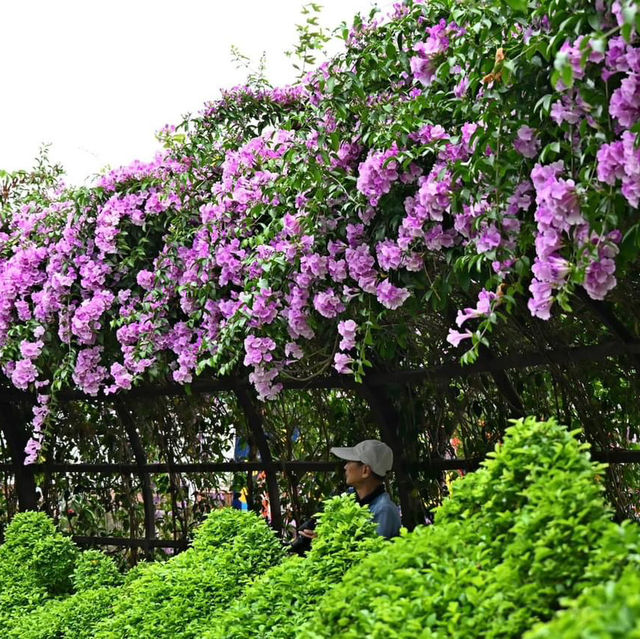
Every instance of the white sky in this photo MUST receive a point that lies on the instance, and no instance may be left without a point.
(97, 78)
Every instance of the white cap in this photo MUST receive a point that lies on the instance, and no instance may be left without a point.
(377, 455)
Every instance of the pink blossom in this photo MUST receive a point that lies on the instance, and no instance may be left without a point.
(431, 51)
(377, 174)
(342, 363)
(541, 300)
(625, 101)
(88, 374)
(328, 304)
(389, 255)
(488, 239)
(600, 278)
(482, 309)
(391, 296)
(122, 377)
(527, 143)
(258, 350)
(455, 337)
(23, 374)
(145, 279)
(347, 330)
(264, 382)
(460, 90)
(293, 350)
(31, 350)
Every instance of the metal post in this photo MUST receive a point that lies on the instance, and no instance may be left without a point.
(145, 479)
(13, 424)
(254, 421)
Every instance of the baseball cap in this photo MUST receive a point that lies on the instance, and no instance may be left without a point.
(375, 454)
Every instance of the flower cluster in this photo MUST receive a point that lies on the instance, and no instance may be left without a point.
(282, 224)
(432, 50)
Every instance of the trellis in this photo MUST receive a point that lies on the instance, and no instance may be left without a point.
(381, 409)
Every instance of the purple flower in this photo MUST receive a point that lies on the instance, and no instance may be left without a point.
(360, 263)
(342, 363)
(611, 162)
(264, 381)
(314, 264)
(377, 174)
(145, 279)
(460, 90)
(527, 143)
(391, 296)
(293, 350)
(557, 199)
(542, 299)
(620, 160)
(565, 110)
(552, 269)
(328, 304)
(431, 51)
(291, 224)
(23, 374)
(121, 376)
(88, 374)
(337, 269)
(423, 69)
(455, 337)
(429, 133)
(489, 239)
(264, 308)
(389, 255)
(482, 309)
(625, 101)
(258, 350)
(31, 350)
(347, 330)
(600, 278)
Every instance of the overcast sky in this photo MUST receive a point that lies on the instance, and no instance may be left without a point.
(97, 78)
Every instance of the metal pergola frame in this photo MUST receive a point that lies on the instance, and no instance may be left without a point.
(384, 417)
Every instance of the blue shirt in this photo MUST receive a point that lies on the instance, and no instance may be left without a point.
(386, 515)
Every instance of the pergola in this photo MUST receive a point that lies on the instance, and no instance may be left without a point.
(376, 391)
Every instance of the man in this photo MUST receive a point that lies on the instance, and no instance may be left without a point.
(367, 464)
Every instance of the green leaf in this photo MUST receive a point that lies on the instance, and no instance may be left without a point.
(519, 6)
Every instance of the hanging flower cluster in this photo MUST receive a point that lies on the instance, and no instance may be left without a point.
(282, 228)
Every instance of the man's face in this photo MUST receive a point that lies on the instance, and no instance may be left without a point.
(354, 472)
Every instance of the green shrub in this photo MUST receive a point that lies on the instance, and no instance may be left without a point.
(221, 528)
(18, 596)
(513, 539)
(24, 531)
(609, 610)
(163, 598)
(72, 618)
(279, 601)
(94, 569)
(53, 563)
(36, 563)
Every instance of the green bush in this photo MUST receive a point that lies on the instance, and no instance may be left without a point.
(279, 601)
(513, 539)
(24, 531)
(36, 563)
(72, 618)
(53, 563)
(221, 528)
(610, 610)
(524, 536)
(94, 569)
(164, 598)
(95, 580)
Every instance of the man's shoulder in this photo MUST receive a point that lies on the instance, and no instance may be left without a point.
(382, 502)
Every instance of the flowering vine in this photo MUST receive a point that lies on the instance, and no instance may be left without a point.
(282, 228)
